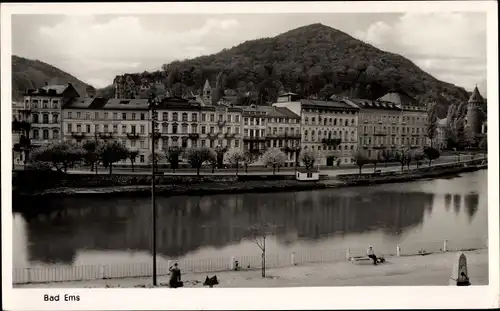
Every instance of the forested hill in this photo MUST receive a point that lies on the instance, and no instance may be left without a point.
(311, 60)
(32, 74)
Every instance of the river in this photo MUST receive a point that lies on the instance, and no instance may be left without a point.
(81, 231)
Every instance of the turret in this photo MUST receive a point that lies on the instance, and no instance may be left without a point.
(474, 112)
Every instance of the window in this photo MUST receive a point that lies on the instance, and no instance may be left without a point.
(69, 128)
(132, 143)
(184, 116)
(45, 103)
(35, 118)
(78, 115)
(143, 116)
(70, 115)
(203, 129)
(212, 117)
(143, 129)
(203, 117)
(115, 128)
(194, 128)
(143, 144)
(237, 118)
(174, 128)
(164, 116)
(105, 116)
(174, 116)
(133, 127)
(96, 115)
(124, 116)
(45, 118)
(141, 158)
(45, 134)
(184, 128)
(87, 116)
(106, 129)
(194, 117)
(55, 118)
(87, 127)
(203, 142)
(212, 130)
(228, 130)
(115, 116)
(221, 117)
(124, 129)
(229, 118)
(246, 121)
(236, 143)
(237, 130)
(36, 134)
(133, 115)
(164, 128)
(184, 143)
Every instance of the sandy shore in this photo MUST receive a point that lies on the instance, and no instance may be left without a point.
(429, 270)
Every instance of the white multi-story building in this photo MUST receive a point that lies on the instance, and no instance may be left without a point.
(329, 128)
(45, 106)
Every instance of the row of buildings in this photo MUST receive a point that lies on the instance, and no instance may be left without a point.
(334, 129)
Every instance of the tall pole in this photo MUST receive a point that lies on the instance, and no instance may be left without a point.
(153, 203)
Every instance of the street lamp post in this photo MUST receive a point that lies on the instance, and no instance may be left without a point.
(152, 102)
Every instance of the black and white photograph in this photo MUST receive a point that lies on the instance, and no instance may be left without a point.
(190, 145)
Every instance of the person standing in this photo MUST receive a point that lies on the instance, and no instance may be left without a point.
(371, 254)
(175, 276)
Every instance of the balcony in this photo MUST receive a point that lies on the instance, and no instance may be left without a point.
(194, 136)
(283, 136)
(331, 141)
(379, 133)
(105, 135)
(254, 138)
(379, 146)
(230, 135)
(78, 135)
(133, 135)
(415, 134)
(212, 136)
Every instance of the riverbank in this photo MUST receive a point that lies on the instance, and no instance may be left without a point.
(429, 270)
(229, 184)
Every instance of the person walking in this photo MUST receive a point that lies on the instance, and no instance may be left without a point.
(371, 254)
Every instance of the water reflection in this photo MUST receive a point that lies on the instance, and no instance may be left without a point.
(447, 202)
(457, 200)
(471, 204)
(188, 223)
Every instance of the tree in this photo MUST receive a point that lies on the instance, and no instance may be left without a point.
(157, 158)
(236, 156)
(417, 156)
(274, 157)
(377, 158)
(197, 156)
(483, 144)
(220, 151)
(258, 233)
(112, 152)
(249, 158)
(431, 154)
(361, 159)
(132, 156)
(403, 157)
(308, 158)
(172, 154)
(60, 154)
(93, 152)
(432, 121)
(386, 155)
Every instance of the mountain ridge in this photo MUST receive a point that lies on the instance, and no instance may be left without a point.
(32, 74)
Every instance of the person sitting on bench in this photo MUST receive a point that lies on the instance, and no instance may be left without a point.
(371, 254)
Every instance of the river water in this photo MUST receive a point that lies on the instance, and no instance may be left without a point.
(80, 231)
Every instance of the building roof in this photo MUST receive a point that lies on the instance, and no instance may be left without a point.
(475, 96)
(401, 98)
(373, 104)
(334, 104)
(126, 104)
(283, 112)
(52, 90)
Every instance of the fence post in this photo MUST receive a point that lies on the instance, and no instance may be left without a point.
(445, 246)
(29, 275)
(101, 272)
(348, 254)
(292, 258)
(231, 266)
(398, 250)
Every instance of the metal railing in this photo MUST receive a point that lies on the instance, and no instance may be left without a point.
(273, 260)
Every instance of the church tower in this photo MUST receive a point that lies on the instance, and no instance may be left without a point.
(207, 92)
(474, 114)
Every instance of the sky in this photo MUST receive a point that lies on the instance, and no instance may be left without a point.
(96, 48)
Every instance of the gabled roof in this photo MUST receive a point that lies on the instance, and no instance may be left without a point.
(282, 112)
(127, 104)
(52, 90)
(372, 104)
(475, 96)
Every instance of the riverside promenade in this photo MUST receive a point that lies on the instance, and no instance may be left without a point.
(429, 270)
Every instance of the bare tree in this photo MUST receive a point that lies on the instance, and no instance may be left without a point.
(274, 157)
(258, 233)
(308, 158)
(236, 156)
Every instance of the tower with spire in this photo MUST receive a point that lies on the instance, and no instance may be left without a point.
(474, 113)
(207, 92)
